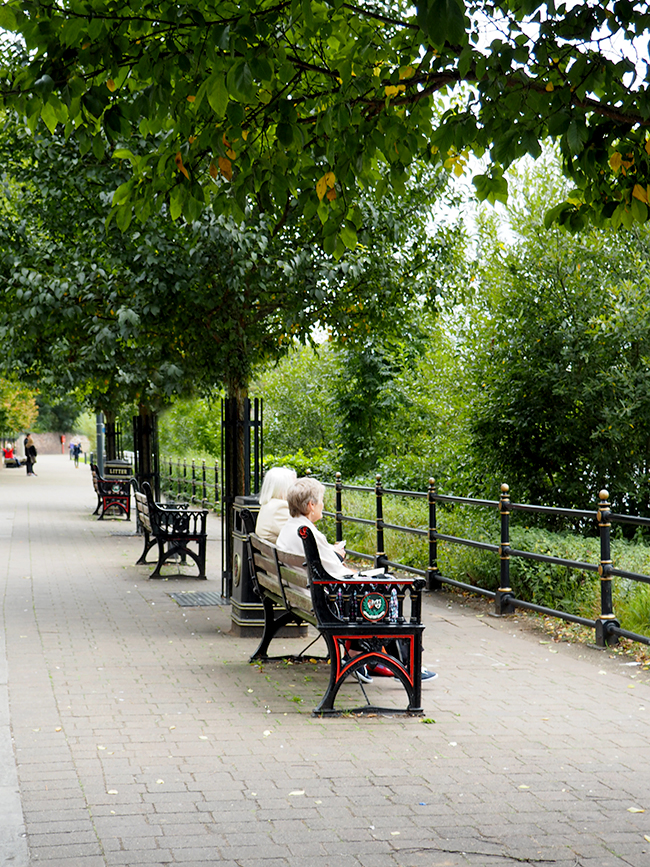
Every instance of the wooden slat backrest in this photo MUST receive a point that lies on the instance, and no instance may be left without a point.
(142, 507)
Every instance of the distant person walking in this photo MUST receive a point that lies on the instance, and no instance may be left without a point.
(76, 451)
(30, 454)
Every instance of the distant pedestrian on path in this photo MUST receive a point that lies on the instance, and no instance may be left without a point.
(30, 454)
(76, 451)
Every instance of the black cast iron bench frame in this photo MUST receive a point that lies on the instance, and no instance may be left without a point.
(111, 493)
(297, 589)
(173, 527)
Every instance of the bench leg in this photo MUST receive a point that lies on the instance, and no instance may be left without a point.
(271, 626)
(177, 546)
(406, 664)
(326, 705)
(148, 545)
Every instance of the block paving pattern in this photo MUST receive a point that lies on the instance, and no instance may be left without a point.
(134, 731)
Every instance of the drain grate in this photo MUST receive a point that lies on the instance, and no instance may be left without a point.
(190, 599)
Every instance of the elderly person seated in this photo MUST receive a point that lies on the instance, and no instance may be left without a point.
(274, 511)
(305, 500)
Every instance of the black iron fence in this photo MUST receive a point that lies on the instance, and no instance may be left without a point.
(606, 626)
(190, 481)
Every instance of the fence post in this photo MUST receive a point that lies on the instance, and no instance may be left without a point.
(607, 618)
(433, 582)
(338, 507)
(193, 481)
(503, 596)
(216, 483)
(380, 556)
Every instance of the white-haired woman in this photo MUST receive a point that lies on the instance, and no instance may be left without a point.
(274, 511)
(305, 498)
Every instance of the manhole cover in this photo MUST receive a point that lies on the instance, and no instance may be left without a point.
(199, 599)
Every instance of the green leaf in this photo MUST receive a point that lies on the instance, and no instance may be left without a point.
(123, 216)
(308, 14)
(553, 215)
(445, 22)
(176, 202)
(125, 154)
(639, 210)
(49, 116)
(576, 136)
(285, 134)
(349, 235)
(7, 18)
(122, 193)
(217, 93)
(98, 147)
(240, 81)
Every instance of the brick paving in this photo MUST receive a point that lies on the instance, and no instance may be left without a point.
(134, 732)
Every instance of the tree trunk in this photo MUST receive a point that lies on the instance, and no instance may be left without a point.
(145, 446)
(240, 450)
(110, 440)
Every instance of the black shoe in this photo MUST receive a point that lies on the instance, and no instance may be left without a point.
(428, 675)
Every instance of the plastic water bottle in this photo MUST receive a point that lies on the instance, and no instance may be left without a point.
(393, 607)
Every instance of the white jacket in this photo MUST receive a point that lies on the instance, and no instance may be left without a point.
(289, 541)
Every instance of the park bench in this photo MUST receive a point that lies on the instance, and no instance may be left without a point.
(173, 527)
(367, 609)
(111, 493)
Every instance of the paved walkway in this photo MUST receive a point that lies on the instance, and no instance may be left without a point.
(134, 732)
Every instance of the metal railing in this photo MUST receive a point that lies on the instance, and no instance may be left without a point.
(606, 626)
(190, 481)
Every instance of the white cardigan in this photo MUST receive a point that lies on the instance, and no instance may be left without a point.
(289, 541)
(271, 519)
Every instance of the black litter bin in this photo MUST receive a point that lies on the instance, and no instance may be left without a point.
(118, 469)
(247, 612)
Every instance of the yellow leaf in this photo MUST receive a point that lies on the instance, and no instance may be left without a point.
(645, 837)
(326, 182)
(231, 154)
(244, 134)
(214, 171)
(391, 90)
(615, 161)
(550, 87)
(178, 159)
(647, 145)
(406, 72)
(225, 167)
(192, 139)
(635, 810)
(191, 98)
(331, 195)
(110, 84)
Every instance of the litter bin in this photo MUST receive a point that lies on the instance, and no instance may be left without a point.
(247, 611)
(118, 469)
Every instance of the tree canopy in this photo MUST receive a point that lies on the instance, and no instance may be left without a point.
(170, 308)
(558, 341)
(18, 409)
(223, 104)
